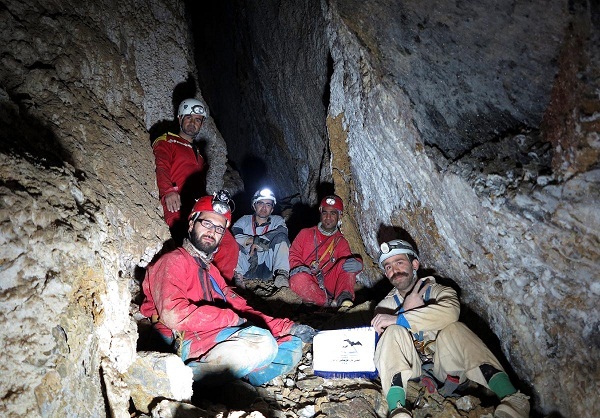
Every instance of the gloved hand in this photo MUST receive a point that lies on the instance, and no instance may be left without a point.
(260, 242)
(352, 265)
(304, 332)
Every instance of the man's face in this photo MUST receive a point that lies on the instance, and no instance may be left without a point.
(191, 124)
(399, 271)
(206, 239)
(263, 208)
(329, 218)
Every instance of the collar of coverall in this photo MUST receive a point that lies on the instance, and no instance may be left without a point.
(326, 233)
(195, 252)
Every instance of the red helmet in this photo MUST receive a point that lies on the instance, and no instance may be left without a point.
(210, 204)
(332, 201)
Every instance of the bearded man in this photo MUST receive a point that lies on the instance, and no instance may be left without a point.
(212, 328)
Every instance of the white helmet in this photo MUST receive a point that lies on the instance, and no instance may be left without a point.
(191, 107)
(263, 194)
(395, 247)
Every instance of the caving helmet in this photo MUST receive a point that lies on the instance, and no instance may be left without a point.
(192, 107)
(218, 203)
(395, 247)
(333, 201)
(264, 194)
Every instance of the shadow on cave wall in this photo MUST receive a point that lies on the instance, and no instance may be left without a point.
(29, 137)
(182, 91)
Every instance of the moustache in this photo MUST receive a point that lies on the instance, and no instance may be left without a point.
(400, 274)
(208, 237)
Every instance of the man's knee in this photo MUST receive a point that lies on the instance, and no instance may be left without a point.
(395, 333)
(456, 332)
(259, 336)
(395, 338)
(278, 239)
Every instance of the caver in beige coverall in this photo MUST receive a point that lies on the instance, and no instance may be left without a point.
(454, 349)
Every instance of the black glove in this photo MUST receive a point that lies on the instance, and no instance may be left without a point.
(304, 332)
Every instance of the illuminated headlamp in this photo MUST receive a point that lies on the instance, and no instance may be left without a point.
(265, 193)
(386, 247)
(395, 247)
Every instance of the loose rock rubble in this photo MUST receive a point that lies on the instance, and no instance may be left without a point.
(302, 394)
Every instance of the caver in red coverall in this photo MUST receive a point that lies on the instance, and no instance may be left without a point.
(310, 249)
(193, 308)
(180, 168)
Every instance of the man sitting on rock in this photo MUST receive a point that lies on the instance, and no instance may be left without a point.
(264, 244)
(419, 330)
(213, 329)
(322, 268)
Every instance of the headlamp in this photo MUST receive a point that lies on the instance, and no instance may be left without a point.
(198, 110)
(222, 202)
(265, 193)
(395, 247)
(386, 247)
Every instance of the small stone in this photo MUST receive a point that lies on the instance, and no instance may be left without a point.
(307, 412)
(464, 403)
(310, 383)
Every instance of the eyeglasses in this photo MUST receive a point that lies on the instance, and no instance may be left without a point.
(210, 226)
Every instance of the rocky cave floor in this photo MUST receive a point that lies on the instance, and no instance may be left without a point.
(304, 394)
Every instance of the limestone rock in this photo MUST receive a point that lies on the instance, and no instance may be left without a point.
(172, 409)
(470, 127)
(158, 375)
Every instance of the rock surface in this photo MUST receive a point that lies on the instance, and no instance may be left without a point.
(470, 128)
(458, 127)
(302, 394)
(158, 375)
(80, 86)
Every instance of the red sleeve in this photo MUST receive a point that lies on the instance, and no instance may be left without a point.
(277, 326)
(174, 284)
(163, 158)
(302, 243)
(227, 257)
(342, 249)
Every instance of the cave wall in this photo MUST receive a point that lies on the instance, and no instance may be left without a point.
(523, 248)
(81, 84)
(520, 239)
(492, 169)
(472, 130)
(266, 76)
